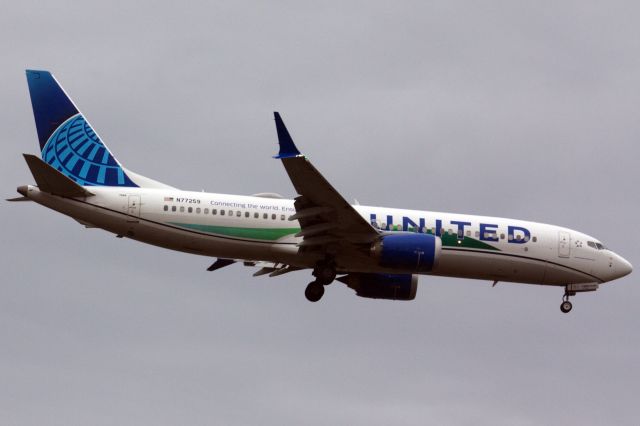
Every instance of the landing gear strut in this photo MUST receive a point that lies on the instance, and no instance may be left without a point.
(566, 306)
(325, 272)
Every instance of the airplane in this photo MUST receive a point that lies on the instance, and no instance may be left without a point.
(378, 252)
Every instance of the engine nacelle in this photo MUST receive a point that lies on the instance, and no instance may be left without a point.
(408, 251)
(383, 286)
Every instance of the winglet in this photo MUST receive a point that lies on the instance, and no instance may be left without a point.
(287, 147)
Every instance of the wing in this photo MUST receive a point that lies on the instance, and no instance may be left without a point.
(327, 221)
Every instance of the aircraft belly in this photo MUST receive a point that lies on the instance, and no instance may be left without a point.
(557, 274)
(157, 234)
(214, 246)
(490, 266)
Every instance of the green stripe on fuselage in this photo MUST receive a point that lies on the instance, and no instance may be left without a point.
(269, 234)
(465, 242)
(451, 240)
(272, 234)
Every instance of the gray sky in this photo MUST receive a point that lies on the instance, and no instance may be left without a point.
(515, 109)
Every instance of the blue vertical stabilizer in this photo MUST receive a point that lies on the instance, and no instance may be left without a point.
(68, 143)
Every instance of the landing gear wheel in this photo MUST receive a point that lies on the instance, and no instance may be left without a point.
(314, 291)
(566, 306)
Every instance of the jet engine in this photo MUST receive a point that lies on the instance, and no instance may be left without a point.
(408, 251)
(383, 286)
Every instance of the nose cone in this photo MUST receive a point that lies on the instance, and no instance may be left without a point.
(616, 267)
(623, 267)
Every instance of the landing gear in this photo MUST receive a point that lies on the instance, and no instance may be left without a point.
(314, 291)
(566, 306)
(325, 272)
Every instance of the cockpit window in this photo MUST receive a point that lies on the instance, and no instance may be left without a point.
(597, 246)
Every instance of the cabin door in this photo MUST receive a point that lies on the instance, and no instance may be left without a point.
(564, 244)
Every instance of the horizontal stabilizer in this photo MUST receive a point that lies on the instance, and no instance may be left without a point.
(52, 181)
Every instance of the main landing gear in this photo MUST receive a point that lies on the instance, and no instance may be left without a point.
(325, 273)
(314, 291)
(566, 306)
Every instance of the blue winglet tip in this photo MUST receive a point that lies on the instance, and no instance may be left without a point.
(287, 147)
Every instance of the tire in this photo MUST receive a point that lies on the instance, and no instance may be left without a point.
(314, 292)
(566, 307)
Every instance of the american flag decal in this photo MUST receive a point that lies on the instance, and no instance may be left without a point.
(168, 198)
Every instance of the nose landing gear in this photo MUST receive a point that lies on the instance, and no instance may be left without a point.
(572, 289)
(566, 306)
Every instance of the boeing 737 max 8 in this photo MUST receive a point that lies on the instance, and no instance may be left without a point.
(378, 252)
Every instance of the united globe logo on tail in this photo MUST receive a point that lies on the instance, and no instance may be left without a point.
(76, 150)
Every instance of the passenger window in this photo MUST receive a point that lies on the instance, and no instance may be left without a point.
(273, 216)
(238, 213)
(468, 233)
(282, 217)
(502, 236)
(190, 210)
(181, 209)
(206, 211)
(198, 210)
(214, 211)
(230, 212)
(221, 212)
(166, 208)
(256, 215)
(246, 214)
(265, 216)
(534, 239)
(173, 208)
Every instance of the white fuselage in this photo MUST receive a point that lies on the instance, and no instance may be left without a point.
(259, 229)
